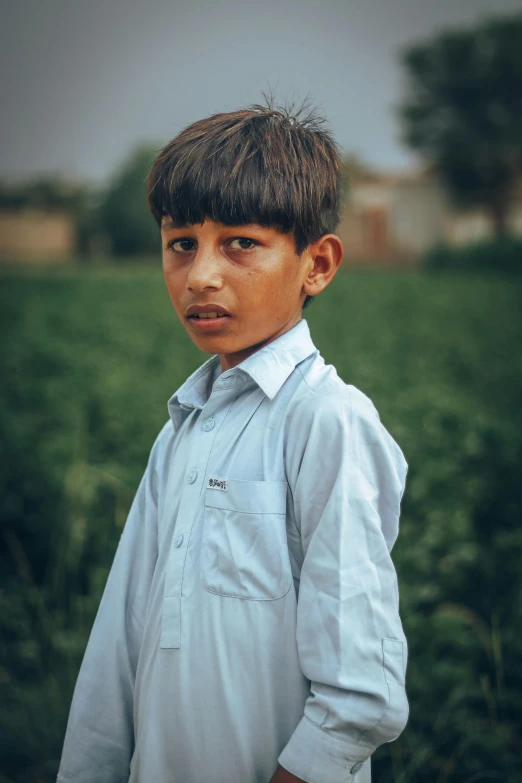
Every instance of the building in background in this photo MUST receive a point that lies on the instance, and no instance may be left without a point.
(36, 236)
(394, 218)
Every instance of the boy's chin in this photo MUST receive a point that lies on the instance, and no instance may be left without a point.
(213, 343)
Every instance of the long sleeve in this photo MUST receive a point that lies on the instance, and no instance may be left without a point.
(99, 739)
(347, 477)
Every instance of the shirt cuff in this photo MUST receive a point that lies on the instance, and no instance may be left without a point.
(317, 757)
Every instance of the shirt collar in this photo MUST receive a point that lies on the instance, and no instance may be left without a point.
(269, 367)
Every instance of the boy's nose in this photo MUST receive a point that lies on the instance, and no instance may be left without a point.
(204, 271)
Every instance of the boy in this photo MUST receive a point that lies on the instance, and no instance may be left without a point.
(249, 629)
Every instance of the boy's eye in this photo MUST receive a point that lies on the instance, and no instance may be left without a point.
(243, 243)
(181, 245)
(186, 245)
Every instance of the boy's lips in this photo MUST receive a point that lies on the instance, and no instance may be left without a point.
(205, 309)
(208, 324)
(197, 316)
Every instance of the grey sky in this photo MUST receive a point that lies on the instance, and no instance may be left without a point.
(83, 81)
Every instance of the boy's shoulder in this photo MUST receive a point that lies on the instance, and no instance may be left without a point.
(321, 392)
(335, 411)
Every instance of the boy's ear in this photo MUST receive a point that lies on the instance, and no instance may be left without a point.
(322, 260)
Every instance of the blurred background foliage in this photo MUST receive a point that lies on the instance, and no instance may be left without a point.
(92, 351)
(492, 255)
(123, 212)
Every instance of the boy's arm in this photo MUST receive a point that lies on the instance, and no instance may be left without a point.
(99, 740)
(347, 477)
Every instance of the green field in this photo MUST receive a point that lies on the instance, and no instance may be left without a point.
(89, 360)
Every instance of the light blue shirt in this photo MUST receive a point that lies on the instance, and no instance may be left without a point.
(251, 614)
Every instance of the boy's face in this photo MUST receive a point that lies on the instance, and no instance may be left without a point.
(252, 272)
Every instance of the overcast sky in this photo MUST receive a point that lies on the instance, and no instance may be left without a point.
(83, 81)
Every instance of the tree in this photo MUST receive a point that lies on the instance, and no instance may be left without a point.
(125, 214)
(463, 111)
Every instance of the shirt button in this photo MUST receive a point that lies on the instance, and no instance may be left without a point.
(356, 767)
(179, 540)
(208, 424)
(193, 475)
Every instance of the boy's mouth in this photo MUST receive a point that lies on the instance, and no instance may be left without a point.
(209, 315)
(208, 322)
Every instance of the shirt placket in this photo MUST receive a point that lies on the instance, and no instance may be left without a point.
(211, 418)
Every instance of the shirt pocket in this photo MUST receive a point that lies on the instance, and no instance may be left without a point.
(244, 550)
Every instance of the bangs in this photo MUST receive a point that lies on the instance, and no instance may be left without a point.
(207, 187)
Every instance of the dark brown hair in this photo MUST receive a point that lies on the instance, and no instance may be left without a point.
(278, 167)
